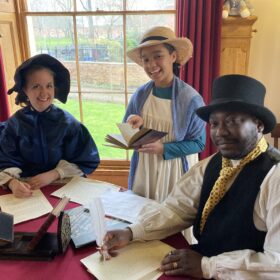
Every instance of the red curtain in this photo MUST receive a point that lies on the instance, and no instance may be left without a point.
(201, 22)
(4, 105)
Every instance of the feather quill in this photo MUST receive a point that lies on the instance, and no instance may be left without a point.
(98, 219)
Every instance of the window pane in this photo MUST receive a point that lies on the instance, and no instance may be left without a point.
(49, 5)
(54, 36)
(100, 117)
(137, 25)
(151, 5)
(72, 105)
(100, 40)
(99, 5)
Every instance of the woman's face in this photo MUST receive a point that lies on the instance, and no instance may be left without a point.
(40, 89)
(158, 64)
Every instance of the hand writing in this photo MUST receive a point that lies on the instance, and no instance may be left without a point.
(20, 189)
(116, 239)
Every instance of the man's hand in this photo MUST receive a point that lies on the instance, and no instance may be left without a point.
(116, 239)
(43, 179)
(20, 189)
(182, 262)
(152, 148)
(136, 121)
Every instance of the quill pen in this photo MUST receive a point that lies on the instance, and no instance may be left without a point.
(99, 225)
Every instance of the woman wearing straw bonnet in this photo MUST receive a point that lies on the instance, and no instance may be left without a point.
(168, 104)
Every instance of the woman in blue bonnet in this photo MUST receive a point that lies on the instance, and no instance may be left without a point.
(42, 143)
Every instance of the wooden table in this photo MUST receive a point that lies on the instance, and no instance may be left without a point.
(67, 266)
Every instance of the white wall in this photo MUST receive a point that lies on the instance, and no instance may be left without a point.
(264, 63)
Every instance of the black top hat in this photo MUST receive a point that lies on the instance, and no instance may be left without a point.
(239, 93)
(62, 75)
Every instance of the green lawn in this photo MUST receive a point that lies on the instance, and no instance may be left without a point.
(100, 119)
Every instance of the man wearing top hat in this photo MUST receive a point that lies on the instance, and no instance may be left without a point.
(232, 198)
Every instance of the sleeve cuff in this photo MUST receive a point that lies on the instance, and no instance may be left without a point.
(165, 153)
(9, 173)
(137, 231)
(5, 182)
(208, 267)
(60, 172)
(66, 169)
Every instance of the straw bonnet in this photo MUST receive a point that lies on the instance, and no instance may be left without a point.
(242, 94)
(62, 75)
(159, 35)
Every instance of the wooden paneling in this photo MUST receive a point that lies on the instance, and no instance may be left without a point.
(117, 177)
(7, 6)
(275, 134)
(235, 44)
(9, 44)
(115, 172)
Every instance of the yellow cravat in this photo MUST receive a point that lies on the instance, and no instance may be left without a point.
(226, 173)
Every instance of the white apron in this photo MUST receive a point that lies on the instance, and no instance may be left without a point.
(156, 177)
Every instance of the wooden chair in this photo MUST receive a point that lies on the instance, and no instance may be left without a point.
(275, 134)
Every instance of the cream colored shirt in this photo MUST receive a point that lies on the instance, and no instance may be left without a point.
(179, 210)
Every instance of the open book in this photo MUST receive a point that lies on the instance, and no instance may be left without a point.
(131, 138)
(137, 261)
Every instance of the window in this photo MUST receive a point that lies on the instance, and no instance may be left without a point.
(91, 39)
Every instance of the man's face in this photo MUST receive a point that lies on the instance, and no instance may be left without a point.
(234, 133)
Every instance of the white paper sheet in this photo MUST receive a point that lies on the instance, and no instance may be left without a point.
(124, 205)
(137, 261)
(24, 209)
(81, 190)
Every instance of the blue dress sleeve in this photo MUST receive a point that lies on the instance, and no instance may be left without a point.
(10, 155)
(81, 149)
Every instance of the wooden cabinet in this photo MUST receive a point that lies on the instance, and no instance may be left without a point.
(7, 6)
(9, 43)
(235, 44)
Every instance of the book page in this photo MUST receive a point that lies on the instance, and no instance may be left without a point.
(124, 205)
(81, 190)
(116, 139)
(137, 261)
(127, 131)
(24, 209)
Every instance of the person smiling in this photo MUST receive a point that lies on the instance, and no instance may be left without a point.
(232, 198)
(42, 142)
(167, 104)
